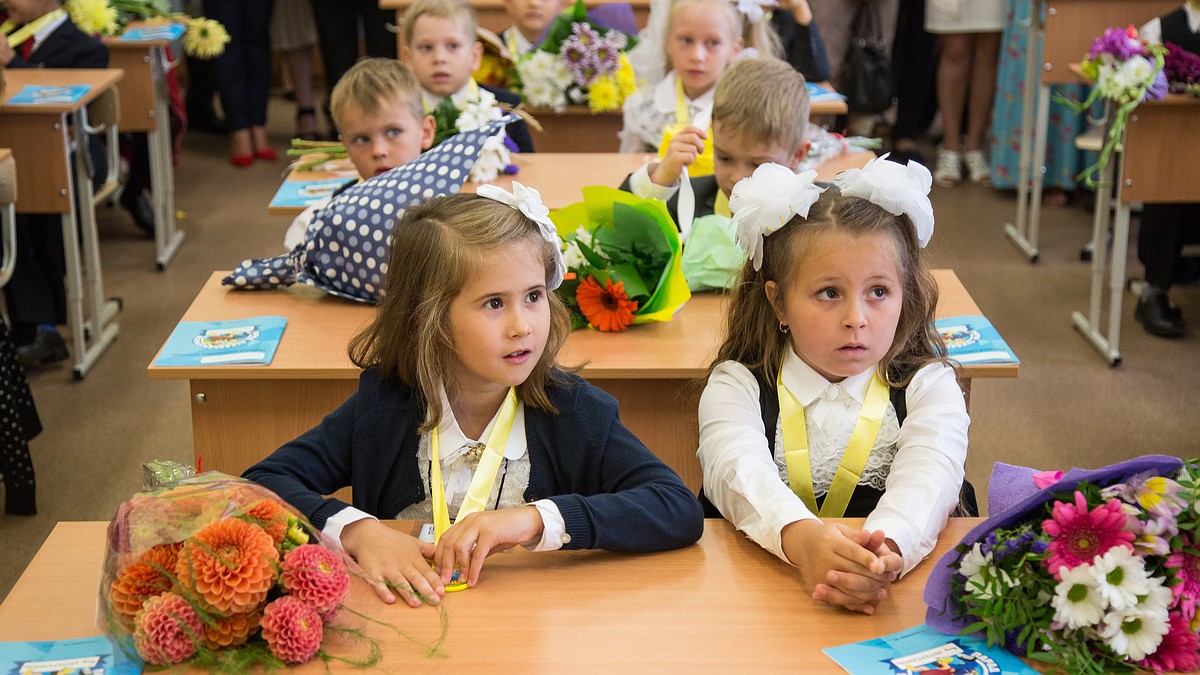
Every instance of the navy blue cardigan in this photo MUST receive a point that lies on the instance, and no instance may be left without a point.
(613, 493)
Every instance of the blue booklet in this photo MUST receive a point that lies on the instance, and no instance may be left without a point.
(973, 339)
(305, 193)
(250, 341)
(923, 649)
(95, 655)
(818, 93)
(38, 94)
(163, 32)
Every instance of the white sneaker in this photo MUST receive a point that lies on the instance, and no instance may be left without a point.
(977, 168)
(949, 168)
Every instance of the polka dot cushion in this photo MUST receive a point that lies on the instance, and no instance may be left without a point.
(345, 251)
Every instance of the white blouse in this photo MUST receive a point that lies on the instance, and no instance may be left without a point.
(649, 110)
(919, 465)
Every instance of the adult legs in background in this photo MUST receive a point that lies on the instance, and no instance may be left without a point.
(243, 76)
(913, 68)
(133, 198)
(294, 34)
(1160, 241)
(966, 76)
(338, 31)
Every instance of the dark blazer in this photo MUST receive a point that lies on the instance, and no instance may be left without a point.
(705, 189)
(518, 131)
(66, 47)
(613, 493)
(802, 46)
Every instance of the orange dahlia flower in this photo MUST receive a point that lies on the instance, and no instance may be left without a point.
(231, 631)
(270, 516)
(143, 579)
(230, 565)
(608, 308)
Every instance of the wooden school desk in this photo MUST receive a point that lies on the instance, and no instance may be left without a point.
(1061, 34)
(43, 141)
(240, 414)
(721, 605)
(144, 100)
(1153, 167)
(490, 14)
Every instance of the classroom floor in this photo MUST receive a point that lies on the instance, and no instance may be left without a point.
(1068, 408)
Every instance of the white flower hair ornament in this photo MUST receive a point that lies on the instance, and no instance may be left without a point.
(896, 188)
(766, 201)
(754, 10)
(528, 201)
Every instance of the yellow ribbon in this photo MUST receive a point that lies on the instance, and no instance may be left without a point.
(849, 472)
(703, 166)
(27, 31)
(721, 205)
(510, 39)
(472, 96)
(485, 472)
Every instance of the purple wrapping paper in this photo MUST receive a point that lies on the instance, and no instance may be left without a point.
(1014, 489)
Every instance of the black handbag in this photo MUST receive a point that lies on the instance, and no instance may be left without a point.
(866, 72)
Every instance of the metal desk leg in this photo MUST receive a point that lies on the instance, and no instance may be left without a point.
(93, 332)
(1016, 230)
(162, 174)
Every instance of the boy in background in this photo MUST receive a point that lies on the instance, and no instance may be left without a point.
(36, 295)
(441, 49)
(380, 115)
(530, 18)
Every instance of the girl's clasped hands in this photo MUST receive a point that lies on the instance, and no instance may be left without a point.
(846, 567)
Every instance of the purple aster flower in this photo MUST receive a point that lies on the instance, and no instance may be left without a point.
(617, 39)
(607, 57)
(1120, 43)
(510, 170)
(1158, 88)
(573, 51)
(1039, 547)
(511, 145)
(584, 33)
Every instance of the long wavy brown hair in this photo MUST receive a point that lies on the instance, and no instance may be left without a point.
(435, 245)
(752, 335)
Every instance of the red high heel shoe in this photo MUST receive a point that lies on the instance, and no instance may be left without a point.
(268, 154)
(241, 161)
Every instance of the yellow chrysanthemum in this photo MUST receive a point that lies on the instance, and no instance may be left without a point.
(94, 17)
(626, 79)
(604, 95)
(205, 38)
(492, 70)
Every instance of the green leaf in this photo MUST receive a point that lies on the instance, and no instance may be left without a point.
(594, 259)
(635, 287)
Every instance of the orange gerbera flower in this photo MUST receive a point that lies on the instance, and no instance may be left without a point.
(230, 565)
(608, 308)
(143, 579)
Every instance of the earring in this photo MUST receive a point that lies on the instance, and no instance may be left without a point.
(783, 327)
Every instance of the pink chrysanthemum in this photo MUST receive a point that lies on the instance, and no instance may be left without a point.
(1187, 570)
(167, 630)
(1179, 650)
(1079, 535)
(292, 629)
(316, 575)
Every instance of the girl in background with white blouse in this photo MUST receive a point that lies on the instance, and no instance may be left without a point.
(831, 395)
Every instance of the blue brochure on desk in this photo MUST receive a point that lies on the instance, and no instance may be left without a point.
(818, 93)
(305, 193)
(973, 339)
(163, 32)
(38, 94)
(923, 649)
(95, 655)
(250, 341)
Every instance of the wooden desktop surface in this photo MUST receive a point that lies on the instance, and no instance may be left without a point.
(138, 87)
(722, 605)
(240, 414)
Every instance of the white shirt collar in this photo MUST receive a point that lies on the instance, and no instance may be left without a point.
(664, 96)
(518, 38)
(1193, 16)
(807, 384)
(453, 442)
(46, 30)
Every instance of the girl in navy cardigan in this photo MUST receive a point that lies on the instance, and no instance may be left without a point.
(462, 409)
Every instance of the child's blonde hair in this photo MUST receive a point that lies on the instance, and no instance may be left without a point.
(371, 81)
(765, 100)
(752, 334)
(442, 9)
(436, 245)
(757, 34)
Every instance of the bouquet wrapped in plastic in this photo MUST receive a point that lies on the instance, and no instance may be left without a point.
(1092, 571)
(220, 573)
(623, 259)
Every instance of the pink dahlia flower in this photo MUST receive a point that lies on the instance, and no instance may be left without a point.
(167, 630)
(292, 629)
(316, 575)
(1187, 570)
(1179, 650)
(1079, 535)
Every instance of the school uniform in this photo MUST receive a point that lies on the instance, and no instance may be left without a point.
(647, 112)
(912, 477)
(612, 493)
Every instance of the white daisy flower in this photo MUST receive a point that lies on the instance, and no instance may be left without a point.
(1076, 601)
(1120, 577)
(573, 257)
(1134, 633)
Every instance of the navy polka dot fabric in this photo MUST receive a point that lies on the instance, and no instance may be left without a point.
(345, 251)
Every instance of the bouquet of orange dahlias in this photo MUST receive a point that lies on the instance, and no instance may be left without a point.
(221, 573)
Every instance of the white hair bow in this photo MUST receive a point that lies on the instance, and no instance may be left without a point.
(766, 201)
(896, 188)
(754, 10)
(528, 200)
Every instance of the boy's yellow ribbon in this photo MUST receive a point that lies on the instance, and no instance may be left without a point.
(27, 31)
(849, 472)
(703, 166)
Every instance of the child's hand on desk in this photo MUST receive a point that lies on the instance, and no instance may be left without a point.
(471, 540)
(392, 560)
(682, 151)
(842, 564)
